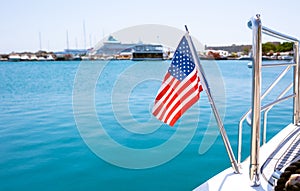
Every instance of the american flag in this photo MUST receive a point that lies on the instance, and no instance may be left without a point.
(180, 88)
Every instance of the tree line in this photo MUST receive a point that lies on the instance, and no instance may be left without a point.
(270, 47)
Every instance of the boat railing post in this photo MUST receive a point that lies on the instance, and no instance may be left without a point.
(296, 116)
(257, 30)
(256, 101)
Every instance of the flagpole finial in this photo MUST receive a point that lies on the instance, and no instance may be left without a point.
(187, 30)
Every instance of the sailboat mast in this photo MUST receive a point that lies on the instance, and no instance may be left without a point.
(40, 40)
(67, 36)
(84, 34)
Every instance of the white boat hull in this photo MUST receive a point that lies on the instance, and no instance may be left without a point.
(229, 181)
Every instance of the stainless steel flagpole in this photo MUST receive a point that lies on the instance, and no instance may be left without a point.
(205, 86)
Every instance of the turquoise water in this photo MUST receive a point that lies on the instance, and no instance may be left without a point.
(42, 147)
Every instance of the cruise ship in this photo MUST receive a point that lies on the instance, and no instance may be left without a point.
(112, 48)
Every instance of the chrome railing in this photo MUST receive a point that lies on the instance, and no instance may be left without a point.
(254, 113)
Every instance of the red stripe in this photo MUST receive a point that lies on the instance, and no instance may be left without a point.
(162, 104)
(185, 107)
(174, 89)
(172, 110)
(163, 107)
(166, 107)
(157, 110)
(184, 97)
(171, 92)
(187, 84)
(162, 92)
(178, 91)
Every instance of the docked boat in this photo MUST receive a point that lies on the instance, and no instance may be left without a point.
(285, 58)
(272, 165)
(41, 58)
(147, 52)
(3, 59)
(24, 57)
(50, 57)
(124, 56)
(245, 58)
(14, 57)
(76, 58)
(33, 57)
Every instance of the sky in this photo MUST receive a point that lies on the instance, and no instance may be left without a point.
(212, 22)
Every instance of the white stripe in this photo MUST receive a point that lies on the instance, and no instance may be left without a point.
(179, 97)
(174, 92)
(194, 94)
